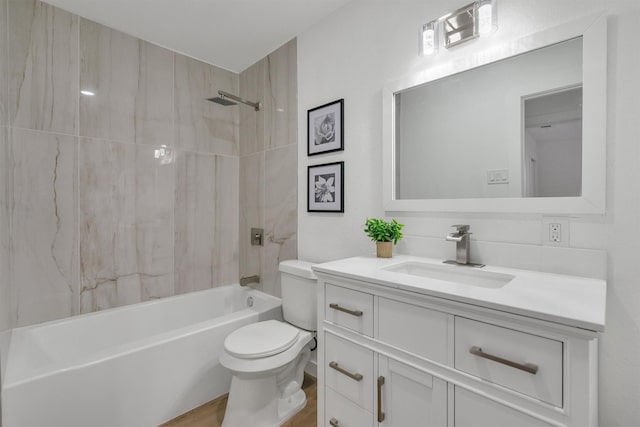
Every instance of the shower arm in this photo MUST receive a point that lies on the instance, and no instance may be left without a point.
(255, 105)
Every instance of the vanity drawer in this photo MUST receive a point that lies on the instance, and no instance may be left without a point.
(472, 410)
(527, 363)
(412, 328)
(349, 370)
(342, 412)
(349, 308)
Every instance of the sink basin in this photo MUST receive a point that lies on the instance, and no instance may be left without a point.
(452, 273)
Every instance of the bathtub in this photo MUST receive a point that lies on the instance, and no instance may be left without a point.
(138, 365)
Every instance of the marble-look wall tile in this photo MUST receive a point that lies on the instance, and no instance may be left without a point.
(44, 232)
(280, 213)
(251, 211)
(268, 166)
(280, 97)
(6, 321)
(126, 224)
(201, 125)
(252, 87)
(133, 85)
(226, 260)
(43, 64)
(206, 221)
(4, 65)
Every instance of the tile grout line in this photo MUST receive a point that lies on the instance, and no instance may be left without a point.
(175, 168)
(9, 176)
(78, 298)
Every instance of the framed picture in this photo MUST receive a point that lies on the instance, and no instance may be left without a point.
(325, 128)
(325, 187)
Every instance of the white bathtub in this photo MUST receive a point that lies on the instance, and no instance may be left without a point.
(138, 365)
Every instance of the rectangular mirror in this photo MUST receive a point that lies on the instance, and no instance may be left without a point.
(521, 130)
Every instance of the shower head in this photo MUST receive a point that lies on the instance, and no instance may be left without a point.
(222, 101)
(227, 99)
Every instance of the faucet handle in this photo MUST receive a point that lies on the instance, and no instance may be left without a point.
(461, 228)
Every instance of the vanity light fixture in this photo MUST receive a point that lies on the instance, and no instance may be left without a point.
(429, 38)
(87, 92)
(487, 17)
(467, 23)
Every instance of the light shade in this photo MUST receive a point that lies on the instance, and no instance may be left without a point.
(487, 16)
(429, 38)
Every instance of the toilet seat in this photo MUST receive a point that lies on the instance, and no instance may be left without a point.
(262, 339)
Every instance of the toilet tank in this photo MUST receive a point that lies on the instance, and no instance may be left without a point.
(299, 294)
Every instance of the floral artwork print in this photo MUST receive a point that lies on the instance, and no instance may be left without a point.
(324, 127)
(324, 188)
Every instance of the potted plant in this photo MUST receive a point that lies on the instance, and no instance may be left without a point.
(385, 234)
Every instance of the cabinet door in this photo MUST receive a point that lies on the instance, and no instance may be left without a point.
(349, 370)
(472, 410)
(409, 397)
(341, 412)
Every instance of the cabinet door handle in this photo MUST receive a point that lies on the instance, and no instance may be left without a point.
(527, 367)
(380, 413)
(334, 422)
(357, 377)
(356, 313)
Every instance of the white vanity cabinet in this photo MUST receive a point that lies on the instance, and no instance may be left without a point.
(409, 396)
(391, 356)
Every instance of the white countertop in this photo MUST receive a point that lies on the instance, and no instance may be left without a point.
(569, 300)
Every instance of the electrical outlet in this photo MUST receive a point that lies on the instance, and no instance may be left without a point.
(555, 231)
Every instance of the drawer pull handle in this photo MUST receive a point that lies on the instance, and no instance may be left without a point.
(357, 377)
(356, 313)
(334, 422)
(380, 413)
(527, 367)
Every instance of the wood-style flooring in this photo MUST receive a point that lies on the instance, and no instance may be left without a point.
(211, 413)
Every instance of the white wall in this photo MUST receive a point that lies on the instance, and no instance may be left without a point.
(560, 169)
(355, 51)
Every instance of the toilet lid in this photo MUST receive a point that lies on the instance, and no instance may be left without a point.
(261, 339)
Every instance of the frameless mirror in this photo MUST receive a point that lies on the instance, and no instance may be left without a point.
(521, 133)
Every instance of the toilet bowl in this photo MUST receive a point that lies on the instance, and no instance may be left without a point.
(267, 359)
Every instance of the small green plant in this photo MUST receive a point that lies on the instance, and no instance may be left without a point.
(382, 231)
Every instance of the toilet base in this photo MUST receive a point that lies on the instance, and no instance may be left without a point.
(255, 402)
(290, 406)
(266, 392)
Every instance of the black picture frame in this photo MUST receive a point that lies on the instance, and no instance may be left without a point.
(325, 187)
(325, 128)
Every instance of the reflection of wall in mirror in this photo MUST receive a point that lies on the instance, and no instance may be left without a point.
(452, 131)
(553, 144)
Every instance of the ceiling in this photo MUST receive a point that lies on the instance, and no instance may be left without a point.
(232, 34)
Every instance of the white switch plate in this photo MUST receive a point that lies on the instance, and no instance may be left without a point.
(497, 176)
(555, 231)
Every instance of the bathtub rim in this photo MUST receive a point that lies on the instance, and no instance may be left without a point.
(130, 307)
(54, 368)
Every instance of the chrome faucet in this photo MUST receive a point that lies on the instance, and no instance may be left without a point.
(461, 237)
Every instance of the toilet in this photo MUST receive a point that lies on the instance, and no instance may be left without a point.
(267, 359)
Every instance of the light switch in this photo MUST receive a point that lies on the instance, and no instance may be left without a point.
(498, 176)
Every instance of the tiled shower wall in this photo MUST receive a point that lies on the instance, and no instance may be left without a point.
(5, 290)
(268, 165)
(112, 199)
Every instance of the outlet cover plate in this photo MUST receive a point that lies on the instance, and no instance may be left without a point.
(547, 223)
